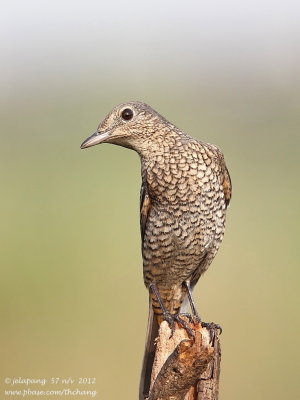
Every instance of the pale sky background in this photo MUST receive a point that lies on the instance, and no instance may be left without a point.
(66, 40)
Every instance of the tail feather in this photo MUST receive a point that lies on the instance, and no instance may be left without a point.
(152, 333)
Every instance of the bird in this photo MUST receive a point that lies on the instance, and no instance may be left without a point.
(185, 192)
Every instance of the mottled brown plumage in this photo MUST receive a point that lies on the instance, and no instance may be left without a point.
(185, 191)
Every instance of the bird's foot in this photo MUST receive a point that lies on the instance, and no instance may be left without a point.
(196, 319)
(192, 318)
(171, 319)
(178, 318)
(189, 316)
(211, 327)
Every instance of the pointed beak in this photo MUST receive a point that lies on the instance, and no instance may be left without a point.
(95, 138)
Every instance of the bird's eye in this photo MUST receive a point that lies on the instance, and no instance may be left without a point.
(127, 114)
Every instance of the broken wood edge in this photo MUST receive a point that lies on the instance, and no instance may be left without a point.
(185, 368)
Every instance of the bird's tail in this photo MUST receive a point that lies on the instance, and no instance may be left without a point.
(152, 333)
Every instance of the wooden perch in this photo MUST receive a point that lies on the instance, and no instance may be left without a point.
(185, 368)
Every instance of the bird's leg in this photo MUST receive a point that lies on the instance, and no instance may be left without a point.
(168, 316)
(191, 301)
(211, 326)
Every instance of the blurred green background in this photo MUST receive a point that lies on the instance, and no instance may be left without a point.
(72, 296)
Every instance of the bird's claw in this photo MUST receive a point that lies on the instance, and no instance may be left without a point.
(170, 320)
(196, 319)
(188, 316)
(184, 324)
(212, 327)
(177, 317)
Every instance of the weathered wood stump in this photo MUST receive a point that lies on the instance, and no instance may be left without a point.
(185, 368)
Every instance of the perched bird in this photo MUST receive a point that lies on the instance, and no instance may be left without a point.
(185, 192)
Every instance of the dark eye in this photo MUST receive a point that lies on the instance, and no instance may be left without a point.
(127, 114)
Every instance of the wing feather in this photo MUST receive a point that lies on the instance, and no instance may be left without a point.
(145, 205)
(227, 186)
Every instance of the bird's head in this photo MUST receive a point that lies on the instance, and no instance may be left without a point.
(134, 125)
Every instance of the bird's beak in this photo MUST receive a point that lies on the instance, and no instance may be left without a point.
(95, 138)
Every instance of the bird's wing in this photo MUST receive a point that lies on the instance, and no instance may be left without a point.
(227, 186)
(225, 178)
(145, 205)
